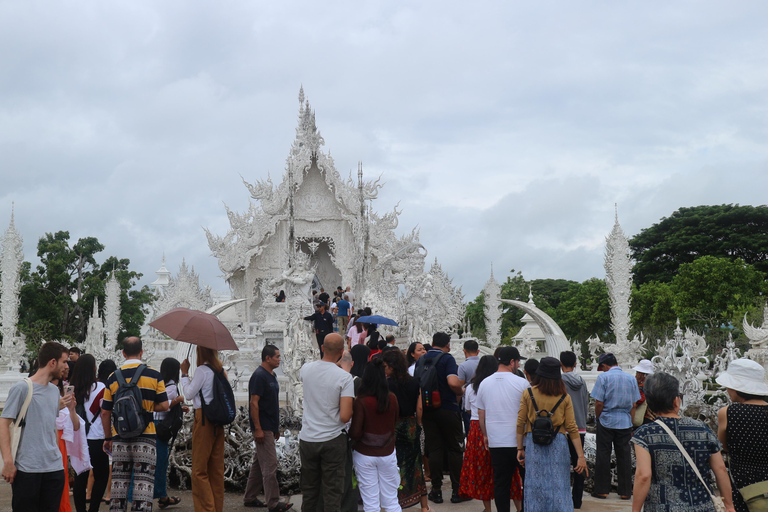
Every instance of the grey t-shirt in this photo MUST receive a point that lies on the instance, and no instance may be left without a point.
(38, 448)
(324, 384)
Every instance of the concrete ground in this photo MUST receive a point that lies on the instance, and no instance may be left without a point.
(234, 502)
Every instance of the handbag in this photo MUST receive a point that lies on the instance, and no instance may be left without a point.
(17, 427)
(716, 500)
(637, 420)
(756, 496)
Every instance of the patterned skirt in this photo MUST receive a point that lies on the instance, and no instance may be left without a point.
(408, 449)
(548, 476)
(477, 471)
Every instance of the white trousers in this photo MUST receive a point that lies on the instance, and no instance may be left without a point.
(377, 479)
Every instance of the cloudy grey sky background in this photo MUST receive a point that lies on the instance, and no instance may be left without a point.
(506, 130)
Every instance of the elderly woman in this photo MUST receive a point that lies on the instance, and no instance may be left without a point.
(664, 480)
(547, 484)
(742, 427)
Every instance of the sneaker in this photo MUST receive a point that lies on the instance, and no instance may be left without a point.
(455, 498)
(435, 496)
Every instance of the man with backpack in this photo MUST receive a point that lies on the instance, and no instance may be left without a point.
(134, 392)
(437, 373)
(498, 402)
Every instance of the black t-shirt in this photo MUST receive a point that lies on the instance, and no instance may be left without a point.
(407, 393)
(323, 297)
(265, 385)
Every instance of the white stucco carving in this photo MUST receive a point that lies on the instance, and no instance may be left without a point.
(554, 338)
(112, 311)
(684, 357)
(618, 279)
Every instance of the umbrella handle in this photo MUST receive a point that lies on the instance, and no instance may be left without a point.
(189, 351)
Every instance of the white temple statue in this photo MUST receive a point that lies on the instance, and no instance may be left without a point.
(539, 327)
(758, 338)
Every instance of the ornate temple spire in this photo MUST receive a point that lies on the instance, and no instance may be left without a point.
(11, 258)
(492, 311)
(112, 311)
(618, 279)
(163, 276)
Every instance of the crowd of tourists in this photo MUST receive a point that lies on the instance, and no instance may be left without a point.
(380, 427)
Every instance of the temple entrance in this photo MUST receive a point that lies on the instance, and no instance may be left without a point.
(322, 253)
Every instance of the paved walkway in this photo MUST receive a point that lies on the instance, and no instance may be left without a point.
(234, 502)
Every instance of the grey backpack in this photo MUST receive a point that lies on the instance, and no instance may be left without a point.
(130, 417)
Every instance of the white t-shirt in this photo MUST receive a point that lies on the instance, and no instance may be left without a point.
(172, 390)
(324, 385)
(412, 369)
(499, 396)
(96, 430)
(470, 402)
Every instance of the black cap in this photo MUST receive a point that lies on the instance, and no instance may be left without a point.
(549, 368)
(509, 354)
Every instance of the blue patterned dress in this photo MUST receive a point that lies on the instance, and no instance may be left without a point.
(674, 485)
(547, 485)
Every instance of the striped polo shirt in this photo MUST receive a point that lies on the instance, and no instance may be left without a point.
(151, 385)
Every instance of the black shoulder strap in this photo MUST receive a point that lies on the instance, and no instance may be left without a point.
(119, 376)
(557, 404)
(533, 401)
(437, 358)
(134, 380)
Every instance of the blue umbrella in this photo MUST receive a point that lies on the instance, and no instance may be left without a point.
(376, 319)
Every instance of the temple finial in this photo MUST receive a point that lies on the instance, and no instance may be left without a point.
(301, 95)
(616, 212)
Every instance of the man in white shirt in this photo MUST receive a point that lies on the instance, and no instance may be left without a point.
(498, 402)
(328, 396)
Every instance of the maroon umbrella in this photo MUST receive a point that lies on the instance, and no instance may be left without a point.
(195, 327)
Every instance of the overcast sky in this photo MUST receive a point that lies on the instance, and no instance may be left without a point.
(506, 130)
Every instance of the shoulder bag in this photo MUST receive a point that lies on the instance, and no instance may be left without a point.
(17, 427)
(717, 500)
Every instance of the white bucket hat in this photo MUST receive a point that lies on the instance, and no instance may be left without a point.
(746, 376)
(644, 366)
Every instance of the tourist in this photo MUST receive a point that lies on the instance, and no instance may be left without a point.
(466, 373)
(498, 402)
(642, 414)
(443, 430)
(356, 333)
(344, 309)
(133, 460)
(360, 355)
(664, 479)
(350, 296)
(67, 423)
(529, 369)
(264, 416)
(414, 352)
(378, 349)
(577, 390)
(169, 371)
(328, 400)
(548, 467)
(74, 354)
(36, 476)
(413, 488)
(106, 368)
(391, 343)
(323, 322)
(324, 297)
(373, 432)
(477, 469)
(742, 427)
(207, 438)
(615, 393)
(88, 395)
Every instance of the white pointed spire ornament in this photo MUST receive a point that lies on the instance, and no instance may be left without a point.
(618, 279)
(112, 311)
(492, 310)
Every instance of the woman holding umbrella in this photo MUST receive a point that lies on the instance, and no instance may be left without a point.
(207, 439)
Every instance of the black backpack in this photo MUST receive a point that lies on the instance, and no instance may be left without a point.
(169, 426)
(130, 417)
(543, 432)
(222, 409)
(426, 374)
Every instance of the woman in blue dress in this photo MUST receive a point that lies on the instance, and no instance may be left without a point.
(664, 480)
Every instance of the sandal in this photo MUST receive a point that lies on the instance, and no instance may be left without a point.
(168, 501)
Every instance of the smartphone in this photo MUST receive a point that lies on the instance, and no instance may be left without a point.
(68, 390)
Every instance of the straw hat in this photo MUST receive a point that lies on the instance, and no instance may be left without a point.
(644, 366)
(746, 376)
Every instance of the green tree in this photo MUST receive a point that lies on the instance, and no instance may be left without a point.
(724, 231)
(713, 293)
(584, 310)
(57, 298)
(653, 311)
